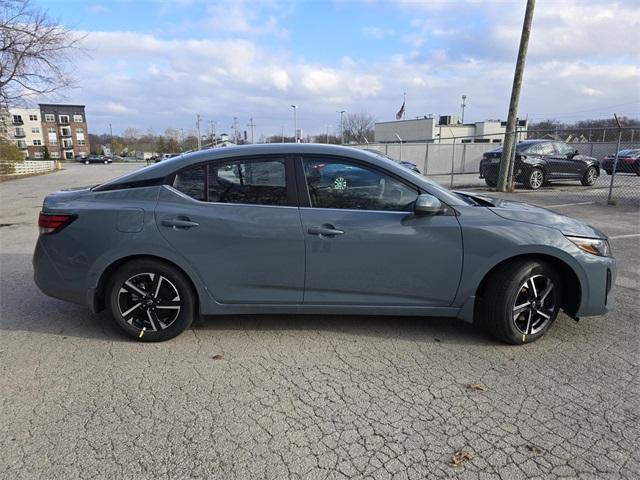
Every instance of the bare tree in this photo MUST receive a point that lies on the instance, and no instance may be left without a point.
(358, 127)
(35, 52)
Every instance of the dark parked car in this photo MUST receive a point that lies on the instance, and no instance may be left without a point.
(539, 161)
(259, 229)
(87, 159)
(628, 161)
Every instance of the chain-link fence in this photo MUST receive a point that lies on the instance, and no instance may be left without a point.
(455, 163)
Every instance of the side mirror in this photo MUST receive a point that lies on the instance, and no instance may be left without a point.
(427, 205)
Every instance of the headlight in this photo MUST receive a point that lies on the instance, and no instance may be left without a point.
(595, 246)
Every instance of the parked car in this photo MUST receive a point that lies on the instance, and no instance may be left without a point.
(164, 156)
(259, 229)
(628, 161)
(404, 163)
(540, 161)
(87, 159)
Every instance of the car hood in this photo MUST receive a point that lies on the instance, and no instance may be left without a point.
(523, 212)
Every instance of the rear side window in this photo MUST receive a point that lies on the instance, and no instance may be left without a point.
(251, 182)
(545, 148)
(191, 182)
(259, 182)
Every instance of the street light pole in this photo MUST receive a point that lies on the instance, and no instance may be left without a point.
(464, 104)
(111, 140)
(295, 123)
(341, 112)
(199, 137)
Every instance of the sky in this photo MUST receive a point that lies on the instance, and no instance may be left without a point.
(156, 64)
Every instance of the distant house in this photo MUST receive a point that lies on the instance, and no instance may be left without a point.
(571, 138)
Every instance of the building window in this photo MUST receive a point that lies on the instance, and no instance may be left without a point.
(55, 154)
(19, 132)
(51, 130)
(53, 141)
(68, 155)
(63, 118)
(37, 142)
(481, 140)
(65, 131)
(33, 118)
(17, 119)
(22, 144)
(466, 140)
(80, 142)
(79, 130)
(67, 144)
(77, 118)
(38, 155)
(35, 129)
(49, 117)
(496, 140)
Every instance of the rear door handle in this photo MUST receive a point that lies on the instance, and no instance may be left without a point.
(177, 223)
(325, 230)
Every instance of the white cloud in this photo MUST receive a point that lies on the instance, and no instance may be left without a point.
(378, 32)
(582, 56)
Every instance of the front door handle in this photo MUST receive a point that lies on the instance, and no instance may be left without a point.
(325, 230)
(177, 223)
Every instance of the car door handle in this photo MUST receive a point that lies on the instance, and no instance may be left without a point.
(176, 223)
(325, 230)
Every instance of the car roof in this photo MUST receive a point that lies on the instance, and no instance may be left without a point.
(171, 165)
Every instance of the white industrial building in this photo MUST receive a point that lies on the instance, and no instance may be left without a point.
(444, 130)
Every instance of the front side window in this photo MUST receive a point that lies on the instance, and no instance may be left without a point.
(562, 149)
(254, 182)
(341, 184)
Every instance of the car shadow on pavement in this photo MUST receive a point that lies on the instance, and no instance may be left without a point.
(24, 308)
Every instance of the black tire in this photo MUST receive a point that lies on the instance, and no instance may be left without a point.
(106, 162)
(510, 284)
(608, 172)
(490, 182)
(156, 318)
(86, 162)
(535, 179)
(590, 177)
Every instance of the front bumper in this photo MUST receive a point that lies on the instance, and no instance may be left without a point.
(597, 296)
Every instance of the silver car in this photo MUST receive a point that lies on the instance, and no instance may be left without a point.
(259, 229)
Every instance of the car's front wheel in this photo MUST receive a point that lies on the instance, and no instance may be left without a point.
(535, 179)
(521, 301)
(86, 162)
(106, 162)
(589, 177)
(151, 300)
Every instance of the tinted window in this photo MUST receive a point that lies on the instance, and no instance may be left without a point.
(563, 149)
(259, 182)
(545, 148)
(191, 182)
(339, 184)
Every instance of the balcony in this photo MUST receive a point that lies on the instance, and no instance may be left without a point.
(67, 145)
(18, 121)
(22, 145)
(65, 133)
(19, 133)
(63, 120)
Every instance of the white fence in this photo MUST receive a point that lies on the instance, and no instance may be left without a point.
(33, 166)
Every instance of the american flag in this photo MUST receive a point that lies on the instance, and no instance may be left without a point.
(400, 113)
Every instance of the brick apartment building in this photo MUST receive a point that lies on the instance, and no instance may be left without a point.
(61, 128)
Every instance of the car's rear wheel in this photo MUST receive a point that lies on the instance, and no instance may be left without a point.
(86, 162)
(151, 300)
(589, 177)
(535, 179)
(490, 182)
(106, 162)
(521, 301)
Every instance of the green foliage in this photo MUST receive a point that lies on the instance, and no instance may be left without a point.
(45, 153)
(9, 152)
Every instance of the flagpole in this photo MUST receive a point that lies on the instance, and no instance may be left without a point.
(404, 102)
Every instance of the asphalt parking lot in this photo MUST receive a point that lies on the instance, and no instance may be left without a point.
(315, 396)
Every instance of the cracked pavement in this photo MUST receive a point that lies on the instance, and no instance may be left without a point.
(308, 397)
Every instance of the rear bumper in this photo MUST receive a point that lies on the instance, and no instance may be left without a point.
(49, 280)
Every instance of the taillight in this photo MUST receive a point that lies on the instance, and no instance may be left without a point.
(53, 222)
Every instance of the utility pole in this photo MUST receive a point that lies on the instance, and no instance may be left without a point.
(111, 140)
(295, 123)
(510, 135)
(212, 129)
(464, 104)
(236, 134)
(199, 137)
(341, 112)
(282, 133)
(327, 139)
(251, 125)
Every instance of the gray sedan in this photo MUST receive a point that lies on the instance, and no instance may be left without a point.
(258, 229)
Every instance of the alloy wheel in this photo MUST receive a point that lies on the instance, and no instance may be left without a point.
(149, 301)
(340, 183)
(535, 305)
(592, 176)
(536, 178)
